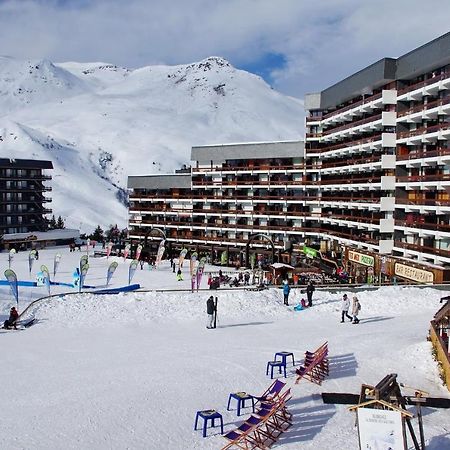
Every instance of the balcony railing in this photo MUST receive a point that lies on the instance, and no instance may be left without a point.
(423, 226)
(352, 124)
(424, 130)
(422, 201)
(423, 249)
(424, 83)
(226, 168)
(423, 178)
(353, 105)
(352, 162)
(371, 179)
(424, 154)
(425, 107)
(351, 143)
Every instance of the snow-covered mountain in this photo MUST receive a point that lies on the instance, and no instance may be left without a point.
(99, 123)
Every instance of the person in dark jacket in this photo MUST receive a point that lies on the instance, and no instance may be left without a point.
(286, 290)
(13, 316)
(309, 292)
(210, 309)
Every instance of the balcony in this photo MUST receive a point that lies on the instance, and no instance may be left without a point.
(422, 249)
(421, 84)
(352, 105)
(424, 131)
(424, 107)
(352, 125)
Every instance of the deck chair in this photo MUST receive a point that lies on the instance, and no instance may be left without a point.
(271, 393)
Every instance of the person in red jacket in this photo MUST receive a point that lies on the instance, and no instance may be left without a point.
(13, 316)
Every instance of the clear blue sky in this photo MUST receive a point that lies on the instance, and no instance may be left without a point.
(297, 46)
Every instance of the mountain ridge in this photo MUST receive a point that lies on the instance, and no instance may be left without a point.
(99, 123)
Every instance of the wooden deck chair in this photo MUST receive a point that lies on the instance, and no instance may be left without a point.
(271, 393)
(238, 440)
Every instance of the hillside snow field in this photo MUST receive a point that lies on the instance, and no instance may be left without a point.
(131, 370)
(99, 123)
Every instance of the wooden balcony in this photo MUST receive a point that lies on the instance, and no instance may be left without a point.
(424, 83)
(422, 249)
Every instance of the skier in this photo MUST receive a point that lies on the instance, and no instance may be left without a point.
(210, 309)
(345, 305)
(356, 307)
(286, 290)
(309, 292)
(11, 322)
(179, 275)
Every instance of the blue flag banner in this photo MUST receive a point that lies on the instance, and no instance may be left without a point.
(132, 269)
(76, 278)
(111, 269)
(11, 276)
(56, 264)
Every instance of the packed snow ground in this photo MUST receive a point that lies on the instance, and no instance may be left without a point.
(131, 370)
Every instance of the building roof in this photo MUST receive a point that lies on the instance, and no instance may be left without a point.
(25, 163)
(248, 150)
(50, 235)
(432, 55)
(177, 180)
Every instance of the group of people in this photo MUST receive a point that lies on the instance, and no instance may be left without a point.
(345, 307)
(309, 293)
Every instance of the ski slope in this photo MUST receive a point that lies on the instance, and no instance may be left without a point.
(131, 370)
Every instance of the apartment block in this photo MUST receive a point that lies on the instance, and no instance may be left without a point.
(22, 194)
(233, 194)
(378, 142)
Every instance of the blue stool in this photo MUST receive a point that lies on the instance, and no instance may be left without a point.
(284, 356)
(279, 364)
(241, 397)
(209, 414)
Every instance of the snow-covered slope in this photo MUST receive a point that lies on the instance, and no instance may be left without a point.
(99, 123)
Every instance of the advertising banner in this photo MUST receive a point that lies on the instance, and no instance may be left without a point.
(31, 258)
(11, 276)
(111, 269)
(132, 269)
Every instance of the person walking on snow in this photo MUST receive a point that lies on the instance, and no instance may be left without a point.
(210, 309)
(356, 307)
(309, 292)
(179, 275)
(345, 305)
(286, 290)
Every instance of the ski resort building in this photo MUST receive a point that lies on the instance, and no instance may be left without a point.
(233, 194)
(378, 145)
(22, 189)
(370, 182)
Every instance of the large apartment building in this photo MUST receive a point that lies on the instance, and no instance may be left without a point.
(22, 188)
(372, 179)
(233, 194)
(379, 141)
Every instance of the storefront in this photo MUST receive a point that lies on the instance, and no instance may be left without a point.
(360, 266)
(372, 268)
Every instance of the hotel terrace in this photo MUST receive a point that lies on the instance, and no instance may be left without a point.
(373, 177)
